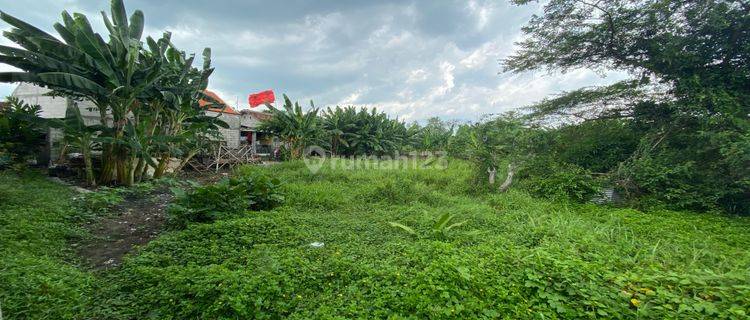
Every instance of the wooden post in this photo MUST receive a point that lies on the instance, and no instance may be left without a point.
(218, 158)
(255, 142)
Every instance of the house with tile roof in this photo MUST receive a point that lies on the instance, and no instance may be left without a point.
(243, 125)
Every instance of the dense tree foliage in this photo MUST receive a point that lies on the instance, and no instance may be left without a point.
(351, 131)
(434, 136)
(365, 132)
(688, 102)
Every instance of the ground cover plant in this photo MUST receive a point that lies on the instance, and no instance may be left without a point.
(38, 276)
(515, 256)
(329, 251)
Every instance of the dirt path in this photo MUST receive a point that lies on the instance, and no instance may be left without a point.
(134, 222)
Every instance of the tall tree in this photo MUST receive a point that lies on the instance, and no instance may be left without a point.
(689, 93)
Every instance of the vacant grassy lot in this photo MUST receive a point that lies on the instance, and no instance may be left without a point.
(515, 257)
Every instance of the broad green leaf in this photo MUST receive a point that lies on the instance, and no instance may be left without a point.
(72, 81)
(402, 227)
(136, 25)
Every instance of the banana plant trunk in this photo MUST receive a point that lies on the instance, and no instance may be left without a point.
(185, 161)
(61, 157)
(138, 171)
(108, 166)
(144, 173)
(508, 179)
(86, 150)
(161, 168)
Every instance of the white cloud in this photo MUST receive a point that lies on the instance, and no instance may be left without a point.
(479, 57)
(446, 71)
(351, 99)
(413, 60)
(481, 12)
(417, 76)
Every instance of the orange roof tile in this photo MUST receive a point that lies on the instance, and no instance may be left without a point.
(225, 108)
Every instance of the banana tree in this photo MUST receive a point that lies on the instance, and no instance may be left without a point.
(339, 125)
(181, 116)
(298, 129)
(79, 135)
(113, 75)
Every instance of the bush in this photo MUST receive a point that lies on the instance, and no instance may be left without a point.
(598, 146)
(100, 201)
(557, 181)
(21, 131)
(224, 199)
(653, 183)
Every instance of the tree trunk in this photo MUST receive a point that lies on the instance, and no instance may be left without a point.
(129, 171)
(108, 165)
(138, 172)
(508, 179)
(161, 168)
(86, 150)
(492, 171)
(184, 162)
(61, 157)
(121, 172)
(144, 173)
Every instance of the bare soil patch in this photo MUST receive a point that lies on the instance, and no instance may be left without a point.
(133, 223)
(138, 219)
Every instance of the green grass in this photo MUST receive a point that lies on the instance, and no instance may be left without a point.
(39, 278)
(516, 257)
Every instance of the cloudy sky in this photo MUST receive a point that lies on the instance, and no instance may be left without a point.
(412, 59)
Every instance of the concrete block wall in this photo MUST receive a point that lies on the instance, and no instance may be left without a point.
(232, 134)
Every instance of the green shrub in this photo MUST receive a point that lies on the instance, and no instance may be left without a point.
(551, 180)
(440, 230)
(598, 146)
(230, 197)
(21, 131)
(37, 277)
(654, 183)
(394, 191)
(101, 200)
